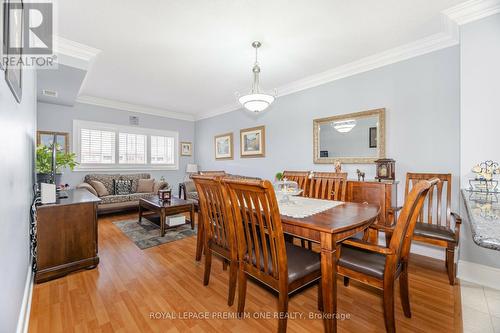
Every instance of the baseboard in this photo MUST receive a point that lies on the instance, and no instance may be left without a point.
(479, 274)
(24, 313)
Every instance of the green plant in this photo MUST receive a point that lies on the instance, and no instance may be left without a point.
(279, 176)
(44, 159)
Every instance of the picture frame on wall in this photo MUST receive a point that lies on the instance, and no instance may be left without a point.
(253, 142)
(373, 137)
(46, 138)
(186, 149)
(223, 144)
(13, 35)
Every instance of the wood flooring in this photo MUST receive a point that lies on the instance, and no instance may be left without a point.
(135, 290)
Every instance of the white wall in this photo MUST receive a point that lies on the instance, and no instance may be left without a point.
(421, 97)
(60, 118)
(17, 128)
(480, 116)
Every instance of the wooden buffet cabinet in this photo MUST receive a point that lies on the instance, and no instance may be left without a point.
(384, 194)
(67, 235)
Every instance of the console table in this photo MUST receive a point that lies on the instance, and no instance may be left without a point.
(67, 235)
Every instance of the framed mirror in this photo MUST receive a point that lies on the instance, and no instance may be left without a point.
(350, 138)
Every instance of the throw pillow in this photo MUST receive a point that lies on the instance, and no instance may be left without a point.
(122, 187)
(145, 185)
(99, 188)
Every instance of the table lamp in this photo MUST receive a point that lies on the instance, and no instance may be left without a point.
(190, 169)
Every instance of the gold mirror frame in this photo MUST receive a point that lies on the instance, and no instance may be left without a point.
(350, 159)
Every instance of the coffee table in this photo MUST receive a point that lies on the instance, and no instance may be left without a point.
(166, 208)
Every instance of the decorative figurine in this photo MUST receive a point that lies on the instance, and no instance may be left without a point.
(361, 175)
(385, 169)
(338, 166)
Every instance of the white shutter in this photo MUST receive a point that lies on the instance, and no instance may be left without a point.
(132, 148)
(162, 150)
(97, 147)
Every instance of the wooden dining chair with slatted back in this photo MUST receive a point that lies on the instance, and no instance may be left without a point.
(380, 266)
(434, 225)
(218, 225)
(327, 186)
(301, 177)
(263, 253)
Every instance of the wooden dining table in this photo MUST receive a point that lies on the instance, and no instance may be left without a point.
(329, 228)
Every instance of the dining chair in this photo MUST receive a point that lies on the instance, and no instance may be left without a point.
(263, 253)
(219, 234)
(380, 266)
(435, 226)
(301, 177)
(328, 185)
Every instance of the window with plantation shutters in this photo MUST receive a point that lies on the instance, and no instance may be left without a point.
(162, 150)
(132, 148)
(112, 147)
(97, 147)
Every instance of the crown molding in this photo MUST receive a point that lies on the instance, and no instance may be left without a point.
(448, 37)
(74, 54)
(472, 10)
(108, 103)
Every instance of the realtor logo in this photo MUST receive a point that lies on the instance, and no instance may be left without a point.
(29, 28)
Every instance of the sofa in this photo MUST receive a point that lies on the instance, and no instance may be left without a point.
(115, 202)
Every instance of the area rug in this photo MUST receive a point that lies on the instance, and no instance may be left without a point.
(147, 234)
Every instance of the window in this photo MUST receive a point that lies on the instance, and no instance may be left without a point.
(101, 146)
(132, 148)
(97, 147)
(162, 150)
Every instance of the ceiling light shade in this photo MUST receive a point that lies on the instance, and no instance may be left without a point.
(344, 126)
(256, 101)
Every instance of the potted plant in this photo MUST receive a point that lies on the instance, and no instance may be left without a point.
(44, 162)
(279, 176)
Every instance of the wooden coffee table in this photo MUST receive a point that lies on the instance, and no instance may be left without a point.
(164, 209)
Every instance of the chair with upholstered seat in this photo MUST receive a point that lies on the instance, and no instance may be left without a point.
(380, 266)
(262, 251)
(219, 235)
(435, 226)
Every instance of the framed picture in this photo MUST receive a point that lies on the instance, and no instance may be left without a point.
(46, 138)
(13, 35)
(253, 142)
(224, 146)
(186, 149)
(373, 137)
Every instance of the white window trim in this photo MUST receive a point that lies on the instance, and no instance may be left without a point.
(79, 124)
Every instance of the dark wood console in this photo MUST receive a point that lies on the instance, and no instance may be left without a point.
(67, 235)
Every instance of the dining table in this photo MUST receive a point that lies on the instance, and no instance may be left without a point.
(329, 228)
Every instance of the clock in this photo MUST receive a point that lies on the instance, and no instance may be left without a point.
(385, 169)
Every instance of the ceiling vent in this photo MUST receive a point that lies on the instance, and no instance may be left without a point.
(49, 93)
(134, 121)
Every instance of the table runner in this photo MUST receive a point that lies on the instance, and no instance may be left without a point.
(301, 207)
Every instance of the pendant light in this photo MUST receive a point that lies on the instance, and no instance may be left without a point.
(256, 101)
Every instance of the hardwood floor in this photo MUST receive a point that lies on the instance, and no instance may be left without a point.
(131, 285)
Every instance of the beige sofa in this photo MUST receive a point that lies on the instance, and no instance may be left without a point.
(116, 203)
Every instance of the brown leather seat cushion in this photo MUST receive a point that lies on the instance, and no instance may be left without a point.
(434, 231)
(301, 262)
(369, 263)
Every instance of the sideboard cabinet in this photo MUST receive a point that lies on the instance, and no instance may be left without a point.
(67, 235)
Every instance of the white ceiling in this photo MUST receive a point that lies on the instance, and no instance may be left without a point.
(192, 56)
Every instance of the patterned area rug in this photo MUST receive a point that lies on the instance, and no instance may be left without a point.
(147, 234)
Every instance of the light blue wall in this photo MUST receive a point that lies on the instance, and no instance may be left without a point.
(421, 97)
(60, 118)
(17, 128)
(480, 88)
